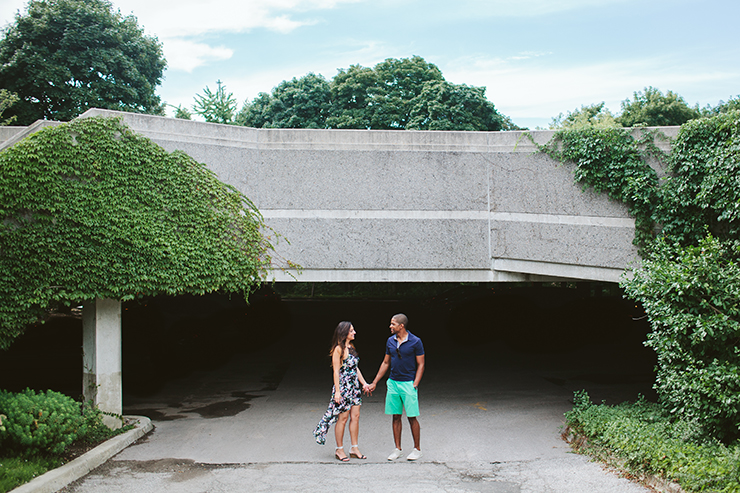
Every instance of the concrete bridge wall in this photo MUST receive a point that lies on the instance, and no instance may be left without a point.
(371, 206)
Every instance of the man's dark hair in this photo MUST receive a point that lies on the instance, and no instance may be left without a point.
(402, 319)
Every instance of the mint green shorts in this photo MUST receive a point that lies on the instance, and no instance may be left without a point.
(400, 396)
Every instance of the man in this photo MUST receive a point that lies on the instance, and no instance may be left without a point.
(404, 355)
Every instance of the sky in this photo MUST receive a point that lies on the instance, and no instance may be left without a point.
(536, 58)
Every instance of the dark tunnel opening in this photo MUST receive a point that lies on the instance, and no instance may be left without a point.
(581, 325)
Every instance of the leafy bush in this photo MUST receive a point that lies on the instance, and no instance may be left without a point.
(647, 440)
(703, 190)
(43, 423)
(692, 297)
(689, 282)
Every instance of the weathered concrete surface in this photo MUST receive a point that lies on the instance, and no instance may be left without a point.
(362, 205)
(101, 357)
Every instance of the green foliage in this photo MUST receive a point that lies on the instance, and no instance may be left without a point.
(7, 99)
(731, 104)
(595, 115)
(703, 190)
(183, 113)
(43, 423)
(15, 471)
(445, 106)
(298, 103)
(692, 297)
(646, 440)
(689, 283)
(352, 93)
(651, 108)
(89, 209)
(396, 94)
(215, 107)
(610, 160)
(63, 57)
(39, 428)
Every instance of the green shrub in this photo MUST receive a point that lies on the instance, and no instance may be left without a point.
(692, 296)
(648, 440)
(43, 423)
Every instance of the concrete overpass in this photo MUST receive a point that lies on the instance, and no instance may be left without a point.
(389, 206)
(408, 206)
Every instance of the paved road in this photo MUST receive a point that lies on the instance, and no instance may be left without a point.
(491, 421)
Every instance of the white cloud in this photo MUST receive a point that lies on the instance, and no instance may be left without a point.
(177, 22)
(186, 55)
(524, 8)
(178, 18)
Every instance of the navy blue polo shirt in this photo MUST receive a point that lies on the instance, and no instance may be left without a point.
(403, 368)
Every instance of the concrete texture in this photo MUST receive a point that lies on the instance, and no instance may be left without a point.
(372, 206)
(101, 357)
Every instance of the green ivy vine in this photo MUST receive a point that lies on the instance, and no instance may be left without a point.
(688, 228)
(91, 209)
(612, 161)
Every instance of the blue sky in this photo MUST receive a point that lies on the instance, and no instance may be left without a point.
(536, 58)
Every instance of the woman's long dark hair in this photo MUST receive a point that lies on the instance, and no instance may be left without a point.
(340, 337)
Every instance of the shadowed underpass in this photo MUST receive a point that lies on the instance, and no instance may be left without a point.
(235, 391)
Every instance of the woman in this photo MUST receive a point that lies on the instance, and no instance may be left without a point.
(346, 394)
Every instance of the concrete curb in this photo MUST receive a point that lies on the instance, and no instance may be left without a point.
(60, 477)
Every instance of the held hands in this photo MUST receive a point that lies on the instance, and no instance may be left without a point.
(368, 388)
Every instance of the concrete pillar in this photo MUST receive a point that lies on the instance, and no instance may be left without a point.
(101, 357)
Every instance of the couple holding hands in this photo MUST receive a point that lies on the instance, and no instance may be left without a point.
(404, 356)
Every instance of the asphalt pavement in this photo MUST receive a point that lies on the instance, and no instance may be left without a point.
(491, 419)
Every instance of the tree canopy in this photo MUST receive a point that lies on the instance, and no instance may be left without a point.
(90, 209)
(214, 107)
(62, 57)
(595, 115)
(298, 103)
(397, 94)
(652, 108)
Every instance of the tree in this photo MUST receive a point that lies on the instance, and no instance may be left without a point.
(394, 95)
(182, 113)
(298, 103)
(353, 98)
(398, 83)
(63, 57)
(594, 115)
(445, 106)
(257, 113)
(653, 109)
(216, 107)
(723, 107)
(7, 99)
(89, 209)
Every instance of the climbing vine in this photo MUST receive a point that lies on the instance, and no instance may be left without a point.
(612, 161)
(688, 228)
(91, 209)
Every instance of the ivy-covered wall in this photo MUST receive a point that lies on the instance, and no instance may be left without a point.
(90, 209)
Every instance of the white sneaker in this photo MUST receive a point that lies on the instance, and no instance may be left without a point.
(395, 454)
(414, 455)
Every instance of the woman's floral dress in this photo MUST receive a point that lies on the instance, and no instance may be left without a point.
(349, 387)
